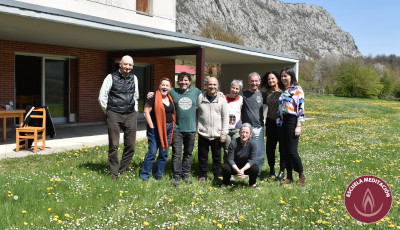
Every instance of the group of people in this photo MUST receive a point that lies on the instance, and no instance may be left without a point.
(233, 122)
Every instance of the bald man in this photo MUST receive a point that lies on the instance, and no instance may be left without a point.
(118, 98)
(212, 127)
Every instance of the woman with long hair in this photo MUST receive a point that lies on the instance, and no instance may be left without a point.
(290, 117)
(273, 89)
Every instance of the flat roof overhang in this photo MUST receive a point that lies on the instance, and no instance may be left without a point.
(37, 24)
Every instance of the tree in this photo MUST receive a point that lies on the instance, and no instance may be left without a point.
(354, 80)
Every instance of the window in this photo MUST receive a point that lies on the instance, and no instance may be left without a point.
(142, 6)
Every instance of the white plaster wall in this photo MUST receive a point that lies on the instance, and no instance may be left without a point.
(162, 16)
(241, 72)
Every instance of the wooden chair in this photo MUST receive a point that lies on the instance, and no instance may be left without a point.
(30, 132)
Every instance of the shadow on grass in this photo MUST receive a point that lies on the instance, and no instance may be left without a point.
(100, 167)
(234, 185)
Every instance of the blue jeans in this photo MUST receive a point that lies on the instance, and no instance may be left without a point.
(258, 137)
(154, 145)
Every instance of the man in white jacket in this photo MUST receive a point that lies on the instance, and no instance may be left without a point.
(212, 128)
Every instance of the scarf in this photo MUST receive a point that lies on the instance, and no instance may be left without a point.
(161, 120)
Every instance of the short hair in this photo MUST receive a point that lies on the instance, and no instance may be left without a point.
(264, 81)
(254, 73)
(127, 56)
(246, 125)
(289, 70)
(237, 82)
(181, 75)
(165, 79)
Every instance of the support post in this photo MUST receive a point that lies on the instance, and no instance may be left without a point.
(200, 64)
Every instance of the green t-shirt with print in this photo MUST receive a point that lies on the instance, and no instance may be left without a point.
(185, 105)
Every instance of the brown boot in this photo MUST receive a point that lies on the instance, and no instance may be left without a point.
(302, 180)
(287, 181)
(289, 178)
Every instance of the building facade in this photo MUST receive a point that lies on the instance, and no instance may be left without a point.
(57, 53)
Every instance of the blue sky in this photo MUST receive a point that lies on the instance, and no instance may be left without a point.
(374, 24)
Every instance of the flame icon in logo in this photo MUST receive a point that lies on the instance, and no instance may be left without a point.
(368, 201)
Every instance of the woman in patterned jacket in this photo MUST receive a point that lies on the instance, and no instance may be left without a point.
(290, 117)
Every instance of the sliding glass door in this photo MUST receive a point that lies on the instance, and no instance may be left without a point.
(42, 80)
(55, 88)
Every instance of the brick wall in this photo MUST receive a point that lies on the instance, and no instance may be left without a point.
(92, 69)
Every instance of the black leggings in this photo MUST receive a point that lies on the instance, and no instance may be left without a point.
(271, 132)
(289, 142)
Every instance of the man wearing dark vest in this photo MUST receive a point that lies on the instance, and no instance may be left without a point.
(118, 98)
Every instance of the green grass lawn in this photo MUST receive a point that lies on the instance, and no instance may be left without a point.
(346, 138)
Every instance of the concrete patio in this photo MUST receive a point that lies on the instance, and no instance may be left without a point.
(68, 136)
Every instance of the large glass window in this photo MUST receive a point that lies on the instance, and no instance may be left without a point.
(56, 81)
(42, 80)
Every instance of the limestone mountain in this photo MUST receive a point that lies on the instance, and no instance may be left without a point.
(302, 30)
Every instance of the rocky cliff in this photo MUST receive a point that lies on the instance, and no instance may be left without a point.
(302, 30)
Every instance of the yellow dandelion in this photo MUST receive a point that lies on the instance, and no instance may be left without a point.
(49, 209)
(24, 211)
(146, 223)
(150, 211)
(219, 225)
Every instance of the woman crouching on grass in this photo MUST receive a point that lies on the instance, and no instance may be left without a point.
(242, 158)
(290, 117)
(159, 112)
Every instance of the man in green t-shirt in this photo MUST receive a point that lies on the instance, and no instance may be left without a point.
(185, 99)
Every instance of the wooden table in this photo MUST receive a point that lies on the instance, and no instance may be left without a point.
(11, 114)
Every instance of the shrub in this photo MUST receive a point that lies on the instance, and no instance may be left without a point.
(216, 31)
(354, 80)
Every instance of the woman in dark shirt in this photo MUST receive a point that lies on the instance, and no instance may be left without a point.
(242, 158)
(273, 85)
(159, 112)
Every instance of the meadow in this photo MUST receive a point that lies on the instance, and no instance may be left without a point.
(344, 138)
